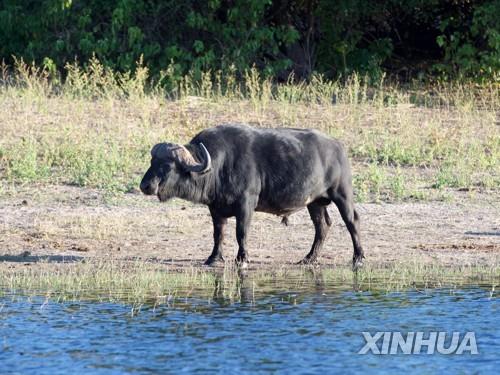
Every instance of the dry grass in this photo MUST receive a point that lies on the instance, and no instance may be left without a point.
(97, 127)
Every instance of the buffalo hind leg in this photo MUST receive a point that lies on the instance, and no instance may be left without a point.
(219, 224)
(343, 199)
(322, 222)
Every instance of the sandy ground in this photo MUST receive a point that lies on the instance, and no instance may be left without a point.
(66, 224)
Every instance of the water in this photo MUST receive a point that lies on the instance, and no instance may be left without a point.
(307, 331)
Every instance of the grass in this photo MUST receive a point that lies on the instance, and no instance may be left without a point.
(142, 282)
(96, 127)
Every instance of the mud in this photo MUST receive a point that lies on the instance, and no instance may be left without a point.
(40, 224)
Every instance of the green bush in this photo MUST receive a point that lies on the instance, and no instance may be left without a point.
(193, 35)
(471, 41)
(336, 38)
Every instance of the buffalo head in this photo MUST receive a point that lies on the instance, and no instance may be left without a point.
(171, 166)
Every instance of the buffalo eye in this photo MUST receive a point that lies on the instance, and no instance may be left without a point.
(161, 167)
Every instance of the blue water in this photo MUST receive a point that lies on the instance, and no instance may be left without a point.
(311, 331)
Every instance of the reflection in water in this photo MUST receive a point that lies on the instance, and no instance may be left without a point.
(309, 326)
(243, 286)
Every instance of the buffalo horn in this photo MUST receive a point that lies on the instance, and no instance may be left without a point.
(183, 156)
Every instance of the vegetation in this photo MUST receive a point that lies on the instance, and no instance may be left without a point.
(96, 127)
(410, 38)
(141, 282)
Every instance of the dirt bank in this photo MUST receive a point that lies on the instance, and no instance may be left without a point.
(60, 223)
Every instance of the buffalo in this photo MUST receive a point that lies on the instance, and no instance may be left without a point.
(237, 169)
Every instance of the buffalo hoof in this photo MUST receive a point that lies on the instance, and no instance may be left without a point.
(357, 264)
(212, 261)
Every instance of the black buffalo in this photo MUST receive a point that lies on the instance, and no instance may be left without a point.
(236, 170)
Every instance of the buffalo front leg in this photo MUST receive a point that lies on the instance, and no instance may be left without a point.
(322, 222)
(219, 224)
(243, 219)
